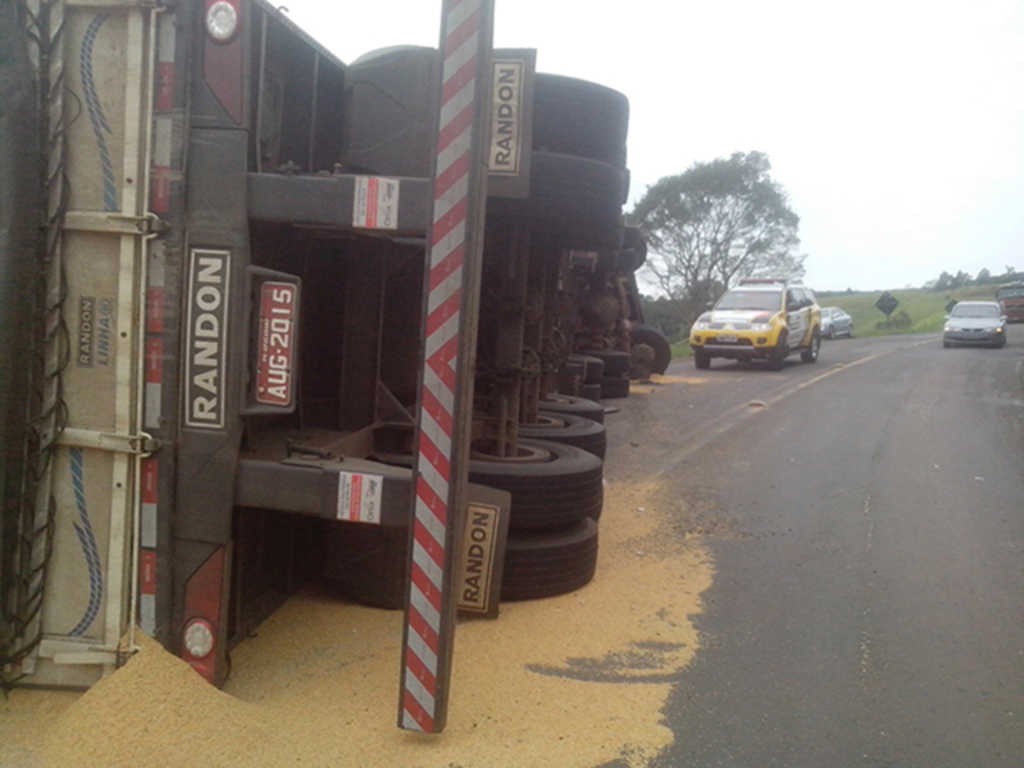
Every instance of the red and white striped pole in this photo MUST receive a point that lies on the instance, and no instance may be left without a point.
(446, 392)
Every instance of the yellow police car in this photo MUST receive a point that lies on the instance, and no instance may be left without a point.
(760, 319)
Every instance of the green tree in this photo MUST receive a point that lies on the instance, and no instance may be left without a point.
(663, 314)
(714, 223)
(961, 280)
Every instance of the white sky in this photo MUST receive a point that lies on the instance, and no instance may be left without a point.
(896, 126)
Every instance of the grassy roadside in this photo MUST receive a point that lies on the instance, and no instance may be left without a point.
(918, 311)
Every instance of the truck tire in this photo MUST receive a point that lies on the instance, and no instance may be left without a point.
(622, 261)
(571, 376)
(577, 117)
(568, 429)
(591, 392)
(616, 362)
(575, 200)
(652, 337)
(613, 387)
(568, 487)
(571, 404)
(594, 367)
(550, 563)
(634, 251)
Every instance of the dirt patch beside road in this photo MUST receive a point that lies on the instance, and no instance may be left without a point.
(577, 680)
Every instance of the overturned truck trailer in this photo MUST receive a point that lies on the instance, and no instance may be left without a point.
(216, 280)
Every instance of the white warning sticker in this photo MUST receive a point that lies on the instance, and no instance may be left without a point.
(359, 497)
(376, 203)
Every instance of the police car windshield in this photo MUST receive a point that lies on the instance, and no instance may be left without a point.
(769, 301)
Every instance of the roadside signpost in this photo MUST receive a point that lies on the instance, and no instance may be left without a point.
(446, 389)
(887, 304)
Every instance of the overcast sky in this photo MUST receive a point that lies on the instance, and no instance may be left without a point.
(896, 126)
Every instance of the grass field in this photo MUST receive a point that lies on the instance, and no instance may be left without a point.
(918, 311)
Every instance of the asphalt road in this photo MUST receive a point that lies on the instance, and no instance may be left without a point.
(866, 518)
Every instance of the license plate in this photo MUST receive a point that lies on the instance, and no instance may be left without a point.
(726, 338)
(275, 373)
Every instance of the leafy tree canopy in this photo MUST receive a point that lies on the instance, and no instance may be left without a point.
(961, 279)
(715, 223)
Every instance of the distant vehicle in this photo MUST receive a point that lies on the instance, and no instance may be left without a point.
(761, 318)
(1011, 300)
(975, 322)
(835, 322)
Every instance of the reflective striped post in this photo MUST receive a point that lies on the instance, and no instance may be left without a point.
(446, 391)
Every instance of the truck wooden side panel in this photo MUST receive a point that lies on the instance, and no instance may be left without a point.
(93, 476)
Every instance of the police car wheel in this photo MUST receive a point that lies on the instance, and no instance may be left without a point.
(811, 355)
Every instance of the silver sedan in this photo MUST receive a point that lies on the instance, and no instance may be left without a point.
(835, 322)
(975, 322)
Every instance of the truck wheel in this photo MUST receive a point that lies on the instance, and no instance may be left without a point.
(613, 387)
(568, 429)
(616, 362)
(571, 404)
(546, 494)
(652, 337)
(566, 185)
(575, 200)
(576, 117)
(634, 251)
(550, 563)
(571, 376)
(591, 392)
(701, 359)
(624, 260)
(594, 367)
